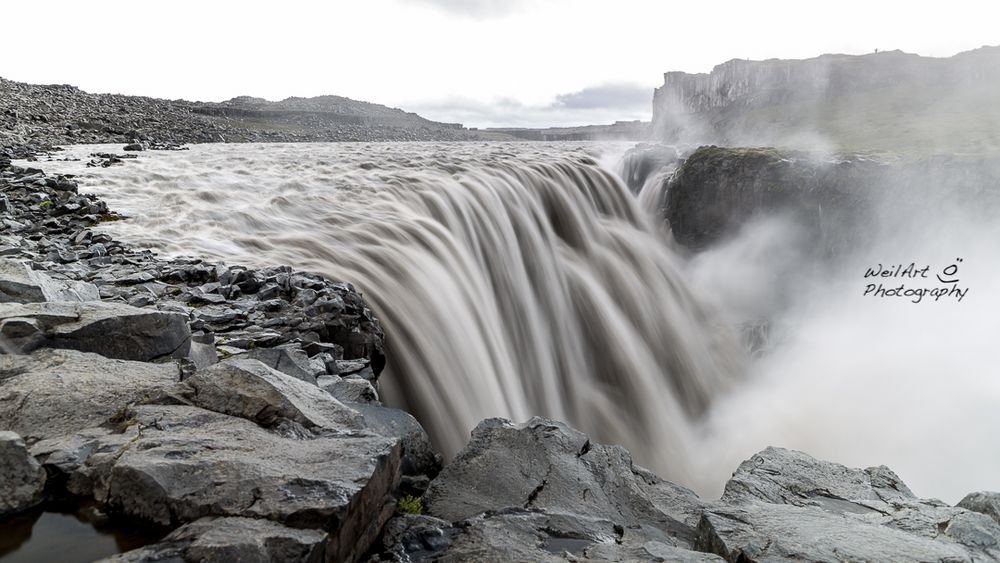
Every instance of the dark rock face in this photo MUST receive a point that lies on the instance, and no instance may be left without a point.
(848, 101)
(836, 201)
(22, 479)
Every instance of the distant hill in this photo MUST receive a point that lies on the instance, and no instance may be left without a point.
(880, 101)
(62, 114)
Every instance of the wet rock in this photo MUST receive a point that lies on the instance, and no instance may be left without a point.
(53, 392)
(113, 330)
(21, 284)
(249, 389)
(222, 540)
(22, 479)
(419, 456)
(353, 390)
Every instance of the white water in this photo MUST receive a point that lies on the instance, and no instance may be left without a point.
(521, 279)
(512, 279)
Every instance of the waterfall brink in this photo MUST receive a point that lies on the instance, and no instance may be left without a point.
(541, 289)
(512, 279)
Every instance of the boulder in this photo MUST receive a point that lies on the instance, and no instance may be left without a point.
(546, 465)
(783, 504)
(291, 361)
(222, 540)
(175, 464)
(114, 330)
(21, 284)
(249, 389)
(53, 392)
(984, 502)
(22, 479)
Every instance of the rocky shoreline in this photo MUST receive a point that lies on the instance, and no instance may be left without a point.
(238, 409)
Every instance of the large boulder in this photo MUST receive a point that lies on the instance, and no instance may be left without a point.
(22, 479)
(556, 474)
(19, 283)
(114, 330)
(782, 504)
(984, 502)
(222, 540)
(249, 389)
(174, 464)
(53, 392)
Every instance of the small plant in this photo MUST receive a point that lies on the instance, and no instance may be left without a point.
(410, 505)
(46, 203)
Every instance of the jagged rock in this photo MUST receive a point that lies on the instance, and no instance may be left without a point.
(223, 540)
(251, 390)
(53, 392)
(21, 284)
(290, 361)
(546, 465)
(419, 456)
(22, 479)
(783, 504)
(113, 330)
(984, 502)
(174, 464)
(351, 390)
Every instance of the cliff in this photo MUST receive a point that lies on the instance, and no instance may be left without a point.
(884, 100)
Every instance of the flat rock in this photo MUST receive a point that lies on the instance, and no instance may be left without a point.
(290, 361)
(174, 464)
(251, 390)
(223, 540)
(54, 392)
(114, 330)
(21, 284)
(22, 479)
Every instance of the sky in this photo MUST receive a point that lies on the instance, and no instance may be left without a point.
(479, 62)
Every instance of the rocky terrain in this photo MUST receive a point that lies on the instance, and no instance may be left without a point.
(886, 100)
(42, 116)
(237, 409)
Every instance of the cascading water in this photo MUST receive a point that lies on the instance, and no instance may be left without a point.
(512, 280)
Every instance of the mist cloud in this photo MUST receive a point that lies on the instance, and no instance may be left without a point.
(608, 96)
(476, 8)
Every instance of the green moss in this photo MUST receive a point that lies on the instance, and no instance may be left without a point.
(410, 505)
(46, 203)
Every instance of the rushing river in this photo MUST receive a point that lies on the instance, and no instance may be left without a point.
(524, 279)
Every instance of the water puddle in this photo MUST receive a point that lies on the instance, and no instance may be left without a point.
(58, 533)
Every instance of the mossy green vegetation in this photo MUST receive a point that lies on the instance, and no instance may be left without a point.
(410, 504)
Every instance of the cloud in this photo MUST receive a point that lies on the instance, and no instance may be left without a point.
(476, 8)
(608, 96)
(595, 105)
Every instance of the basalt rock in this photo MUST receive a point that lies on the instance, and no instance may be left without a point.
(54, 392)
(22, 479)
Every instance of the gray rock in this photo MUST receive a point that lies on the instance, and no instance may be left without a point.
(983, 502)
(223, 540)
(54, 392)
(291, 361)
(419, 456)
(782, 504)
(114, 330)
(353, 390)
(22, 479)
(174, 464)
(249, 389)
(20, 284)
(544, 464)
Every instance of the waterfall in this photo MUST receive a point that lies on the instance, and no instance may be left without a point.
(509, 285)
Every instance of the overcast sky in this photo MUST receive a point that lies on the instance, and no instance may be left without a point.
(480, 62)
